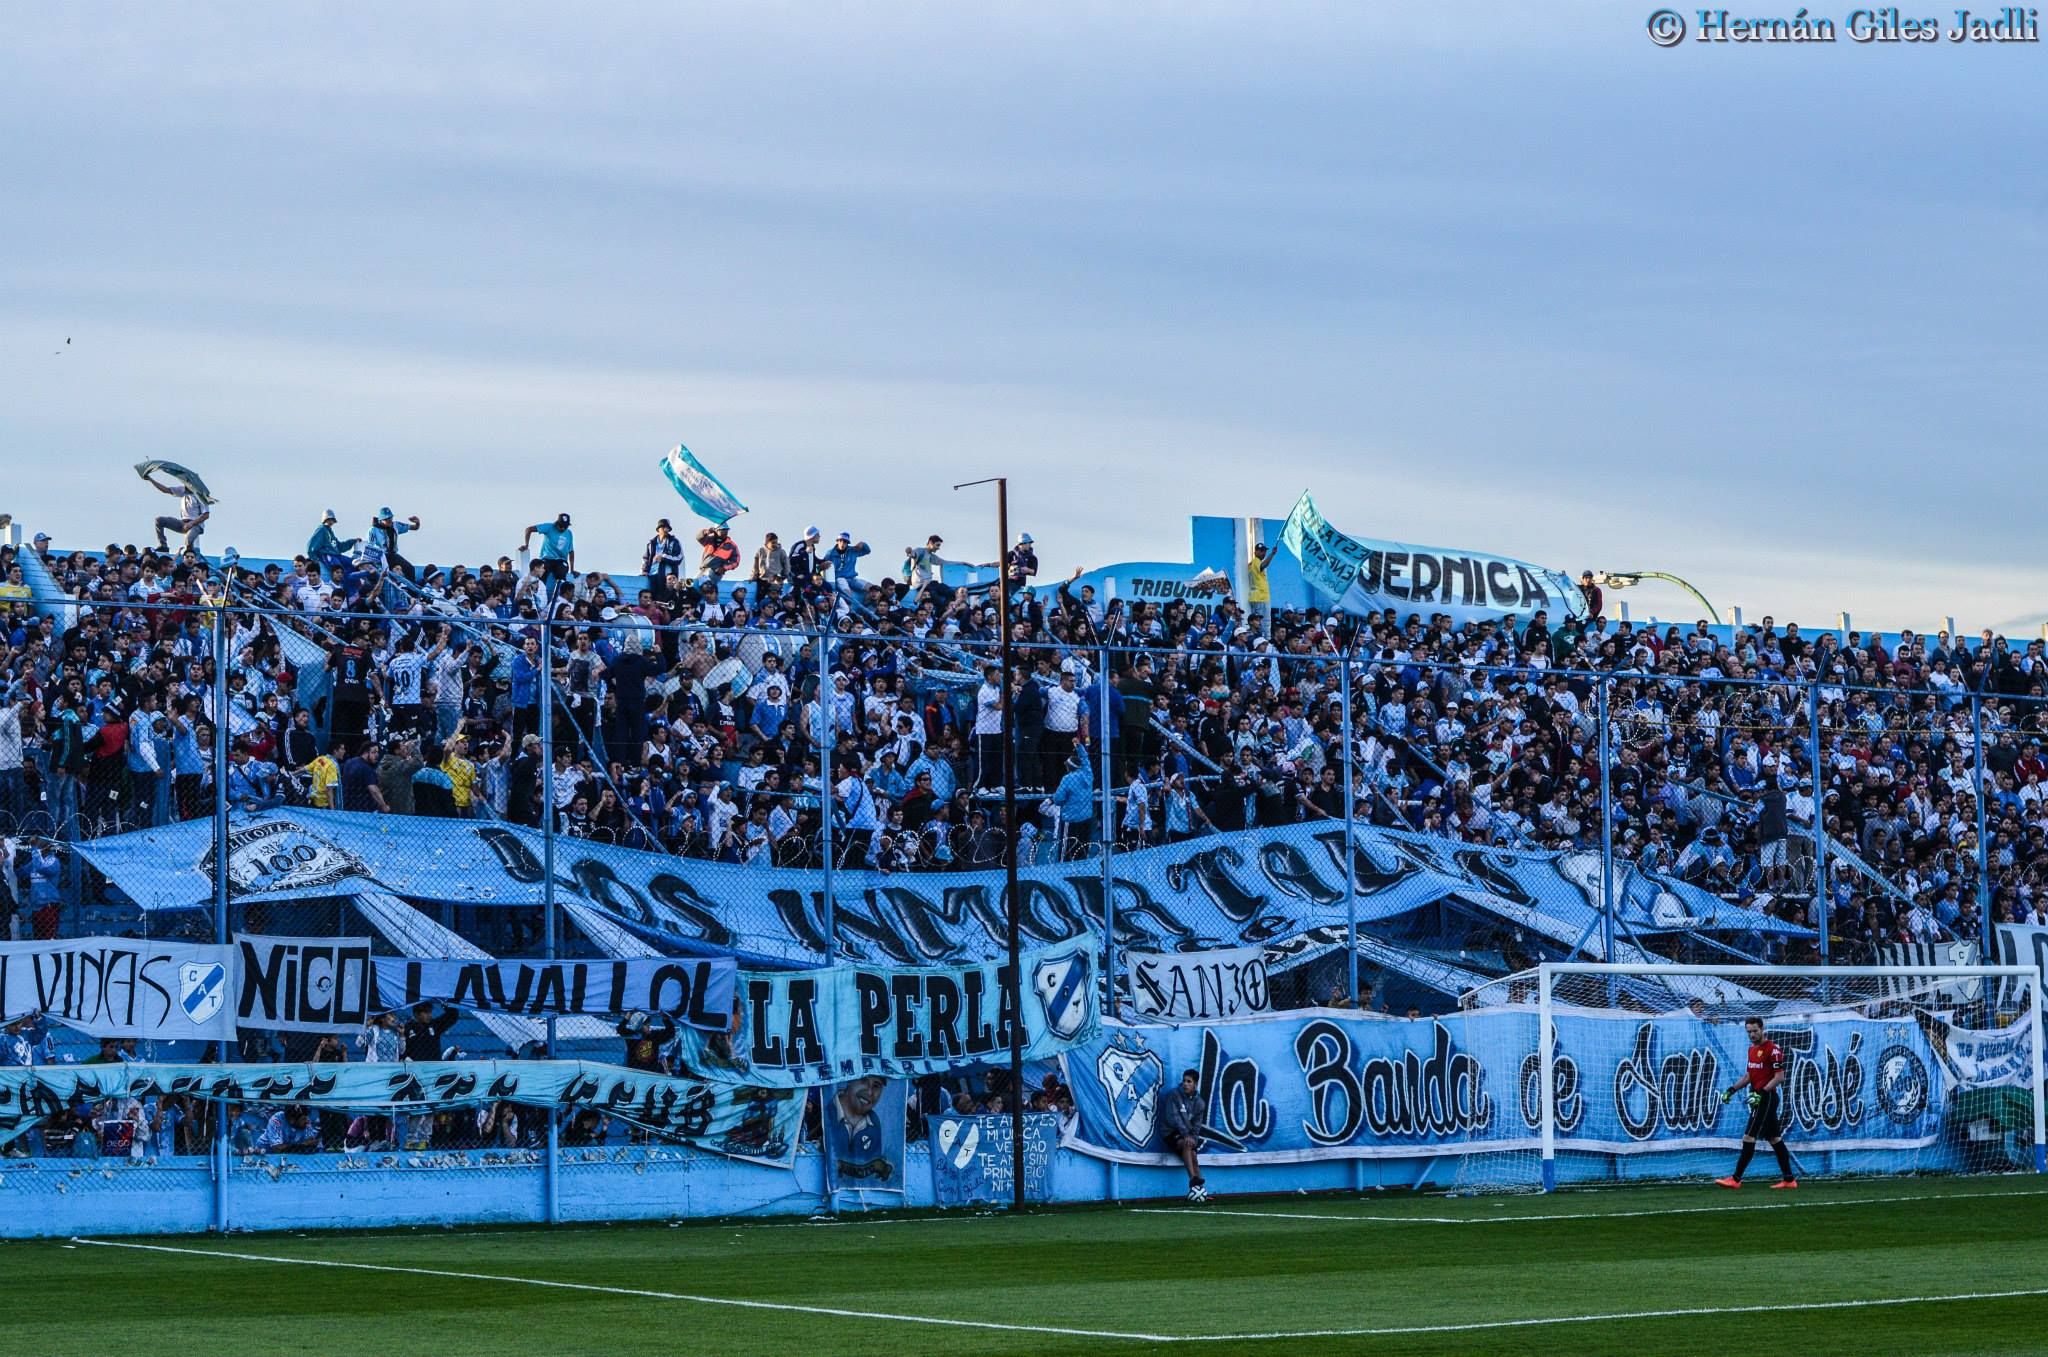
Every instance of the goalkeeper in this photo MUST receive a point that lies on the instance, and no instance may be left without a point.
(1763, 1079)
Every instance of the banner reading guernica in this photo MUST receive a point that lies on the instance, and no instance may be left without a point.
(1368, 575)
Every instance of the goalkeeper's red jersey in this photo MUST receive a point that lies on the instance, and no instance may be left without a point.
(1766, 1060)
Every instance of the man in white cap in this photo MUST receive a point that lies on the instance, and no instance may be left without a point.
(326, 549)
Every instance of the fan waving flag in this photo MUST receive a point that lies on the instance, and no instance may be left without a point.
(705, 493)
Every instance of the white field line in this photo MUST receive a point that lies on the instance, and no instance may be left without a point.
(1271, 1336)
(730, 1301)
(1612, 1316)
(1782, 1204)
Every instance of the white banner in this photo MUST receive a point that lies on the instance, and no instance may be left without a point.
(304, 984)
(122, 987)
(2024, 945)
(1224, 982)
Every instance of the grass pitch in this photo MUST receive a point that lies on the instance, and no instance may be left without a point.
(1861, 1270)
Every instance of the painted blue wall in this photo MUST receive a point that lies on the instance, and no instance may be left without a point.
(60, 1197)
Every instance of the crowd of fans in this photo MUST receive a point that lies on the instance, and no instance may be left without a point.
(705, 712)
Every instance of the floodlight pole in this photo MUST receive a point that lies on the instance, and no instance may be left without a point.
(1009, 771)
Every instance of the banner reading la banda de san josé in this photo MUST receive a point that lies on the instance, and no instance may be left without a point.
(1335, 1084)
(1367, 575)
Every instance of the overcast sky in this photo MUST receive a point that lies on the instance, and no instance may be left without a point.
(1769, 318)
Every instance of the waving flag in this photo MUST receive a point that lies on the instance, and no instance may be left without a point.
(182, 475)
(704, 492)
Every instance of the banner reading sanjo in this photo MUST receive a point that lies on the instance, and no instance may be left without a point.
(1221, 982)
(743, 1123)
(123, 987)
(1367, 575)
(825, 1026)
(1333, 1084)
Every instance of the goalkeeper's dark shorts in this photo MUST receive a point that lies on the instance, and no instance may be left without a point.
(1764, 1123)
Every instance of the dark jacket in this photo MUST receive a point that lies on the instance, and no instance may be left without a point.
(1183, 1113)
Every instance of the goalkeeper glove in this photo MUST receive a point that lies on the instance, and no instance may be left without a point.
(1727, 1096)
(1755, 1097)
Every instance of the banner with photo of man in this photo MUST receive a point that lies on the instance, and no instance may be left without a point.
(862, 1122)
(1366, 575)
(822, 1027)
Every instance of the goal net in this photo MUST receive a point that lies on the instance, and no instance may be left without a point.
(1887, 1071)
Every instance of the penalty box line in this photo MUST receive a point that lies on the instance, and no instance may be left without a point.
(1336, 1218)
(1473, 1326)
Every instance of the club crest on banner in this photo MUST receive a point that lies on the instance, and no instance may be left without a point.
(1063, 987)
(958, 1140)
(1902, 1085)
(1132, 1077)
(202, 989)
(281, 855)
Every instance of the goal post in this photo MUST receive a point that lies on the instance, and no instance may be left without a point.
(1890, 1070)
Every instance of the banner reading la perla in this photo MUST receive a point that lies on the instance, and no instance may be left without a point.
(1220, 982)
(1367, 575)
(742, 1123)
(821, 1027)
(122, 987)
(1335, 1084)
(321, 984)
(1224, 890)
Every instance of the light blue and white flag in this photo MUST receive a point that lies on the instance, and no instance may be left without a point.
(704, 492)
(1365, 575)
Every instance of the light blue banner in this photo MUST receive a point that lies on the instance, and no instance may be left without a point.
(1367, 575)
(1336, 1084)
(703, 492)
(862, 1124)
(974, 1159)
(742, 1123)
(1218, 891)
(824, 1026)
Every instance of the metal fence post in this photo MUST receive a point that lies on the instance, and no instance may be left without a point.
(547, 889)
(1822, 906)
(1106, 797)
(220, 881)
(828, 716)
(1606, 826)
(1350, 819)
(1989, 942)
